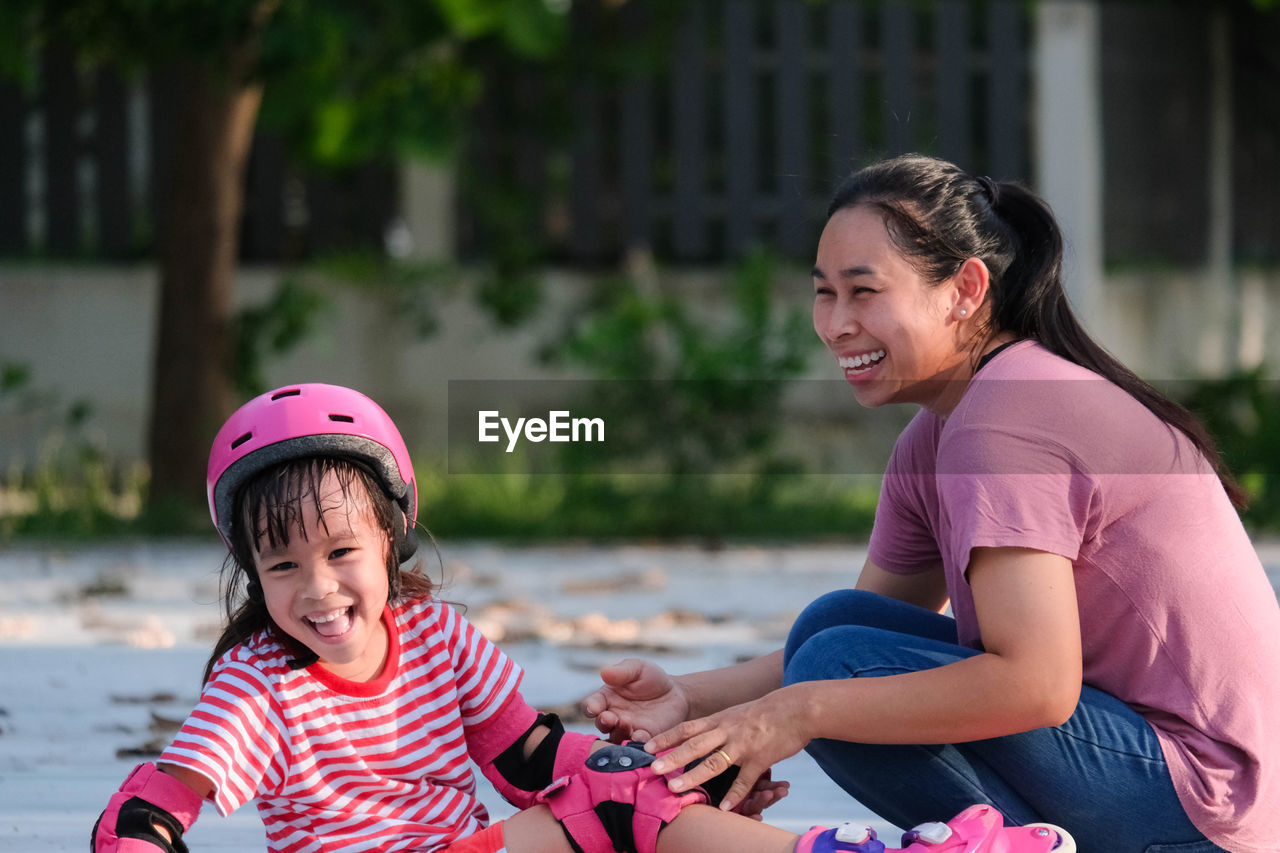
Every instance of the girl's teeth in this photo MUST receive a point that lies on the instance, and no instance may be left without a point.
(334, 624)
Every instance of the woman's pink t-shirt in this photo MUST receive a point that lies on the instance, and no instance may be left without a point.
(1177, 617)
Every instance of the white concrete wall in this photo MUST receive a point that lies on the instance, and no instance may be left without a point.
(1067, 134)
(86, 334)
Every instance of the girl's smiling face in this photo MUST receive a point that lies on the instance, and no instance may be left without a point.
(896, 336)
(327, 586)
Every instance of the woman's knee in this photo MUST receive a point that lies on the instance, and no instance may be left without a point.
(856, 607)
(838, 608)
(845, 651)
(855, 651)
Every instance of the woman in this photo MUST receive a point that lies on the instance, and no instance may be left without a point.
(1113, 664)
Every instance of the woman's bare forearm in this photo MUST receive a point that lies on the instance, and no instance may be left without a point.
(714, 690)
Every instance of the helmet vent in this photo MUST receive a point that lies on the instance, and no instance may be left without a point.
(241, 440)
(346, 419)
(292, 392)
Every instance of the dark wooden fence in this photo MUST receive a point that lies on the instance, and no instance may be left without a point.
(1156, 84)
(82, 159)
(735, 136)
(739, 134)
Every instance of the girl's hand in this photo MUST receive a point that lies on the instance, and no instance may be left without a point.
(764, 794)
(754, 736)
(637, 699)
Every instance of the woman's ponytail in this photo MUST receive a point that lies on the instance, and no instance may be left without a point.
(1029, 299)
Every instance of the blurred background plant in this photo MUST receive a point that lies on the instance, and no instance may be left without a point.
(694, 391)
(1242, 413)
(71, 489)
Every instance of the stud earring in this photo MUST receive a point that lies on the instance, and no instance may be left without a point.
(963, 312)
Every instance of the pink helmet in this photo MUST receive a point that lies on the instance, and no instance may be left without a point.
(308, 420)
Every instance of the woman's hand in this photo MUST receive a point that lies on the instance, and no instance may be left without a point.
(754, 736)
(638, 698)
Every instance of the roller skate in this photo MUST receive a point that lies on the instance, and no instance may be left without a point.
(977, 829)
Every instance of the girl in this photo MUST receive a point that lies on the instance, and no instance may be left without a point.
(349, 701)
(1113, 664)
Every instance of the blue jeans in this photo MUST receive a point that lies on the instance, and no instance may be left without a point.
(1101, 775)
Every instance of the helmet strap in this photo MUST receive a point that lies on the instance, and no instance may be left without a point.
(406, 540)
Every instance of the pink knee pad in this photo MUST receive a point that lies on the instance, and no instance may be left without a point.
(614, 801)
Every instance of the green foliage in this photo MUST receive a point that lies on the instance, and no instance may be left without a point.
(409, 288)
(531, 29)
(707, 508)
(13, 378)
(70, 488)
(349, 82)
(17, 36)
(343, 82)
(136, 35)
(1242, 413)
(271, 328)
(510, 291)
(523, 131)
(709, 395)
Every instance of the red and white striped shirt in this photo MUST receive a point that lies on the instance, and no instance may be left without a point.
(342, 765)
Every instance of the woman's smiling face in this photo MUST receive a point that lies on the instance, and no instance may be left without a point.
(893, 333)
(327, 586)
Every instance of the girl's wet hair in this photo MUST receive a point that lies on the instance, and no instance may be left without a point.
(269, 511)
(938, 216)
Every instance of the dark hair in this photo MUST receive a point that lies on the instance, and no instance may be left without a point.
(269, 507)
(940, 216)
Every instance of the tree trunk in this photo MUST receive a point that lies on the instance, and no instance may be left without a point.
(198, 247)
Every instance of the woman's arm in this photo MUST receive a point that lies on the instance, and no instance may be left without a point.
(927, 589)
(1029, 676)
(639, 699)
(716, 689)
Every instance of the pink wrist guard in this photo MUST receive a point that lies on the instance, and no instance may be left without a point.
(148, 797)
(611, 799)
